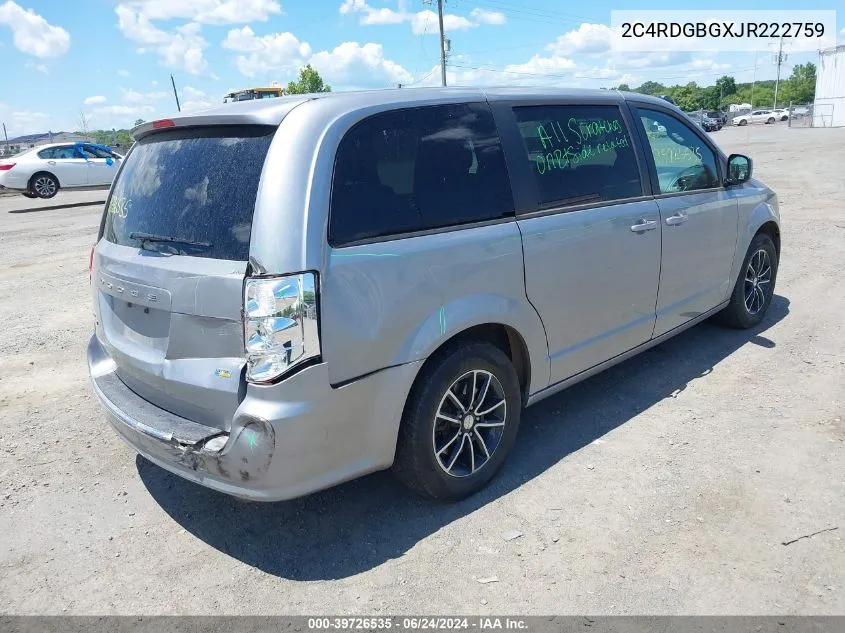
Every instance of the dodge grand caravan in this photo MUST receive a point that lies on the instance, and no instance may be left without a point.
(292, 293)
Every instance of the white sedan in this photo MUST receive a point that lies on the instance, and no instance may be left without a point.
(41, 171)
(757, 116)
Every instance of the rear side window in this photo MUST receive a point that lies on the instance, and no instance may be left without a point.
(418, 169)
(579, 153)
(194, 189)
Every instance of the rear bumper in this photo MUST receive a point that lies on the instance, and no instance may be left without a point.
(284, 441)
(11, 180)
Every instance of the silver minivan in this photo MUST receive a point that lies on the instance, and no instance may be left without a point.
(292, 293)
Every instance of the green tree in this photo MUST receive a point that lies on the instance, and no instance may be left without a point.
(309, 81)
(652, 88)
(801, 85)
(727, 85)
(688, 97)
(139, 122)
(624, 87)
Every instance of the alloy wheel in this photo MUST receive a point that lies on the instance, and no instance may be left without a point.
(758, 281)
(469, 423)
(44, 186)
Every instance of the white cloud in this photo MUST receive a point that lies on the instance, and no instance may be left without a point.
(124, 111)
(32, 34)
(42, 68)
(421, 21)
(348, 64)
(277, 51)
(426, 22)
(94, 100)
(538, 65)
(123, 73)
(194, 99)
(132, 96)
(483, 16)
(181, 48)
(586, 39)
(362, 66)
(207, 11)
(24, 117)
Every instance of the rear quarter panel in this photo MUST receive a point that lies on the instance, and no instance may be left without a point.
(397, 301)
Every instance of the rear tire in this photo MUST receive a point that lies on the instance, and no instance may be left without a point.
(754, 287)
(770, 120)
(44, 185)
(450, 447)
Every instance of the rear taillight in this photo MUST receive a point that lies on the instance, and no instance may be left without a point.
(163, 123)
(91, 263)
(280, 325)
(6, 166)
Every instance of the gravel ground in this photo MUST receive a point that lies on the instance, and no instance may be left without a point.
(666, 485)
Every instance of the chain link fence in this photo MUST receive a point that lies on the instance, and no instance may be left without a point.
(805, 115)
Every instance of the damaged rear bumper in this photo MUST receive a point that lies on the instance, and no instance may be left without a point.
(285, 440)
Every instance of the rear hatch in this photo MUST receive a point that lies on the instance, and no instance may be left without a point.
(169, 267)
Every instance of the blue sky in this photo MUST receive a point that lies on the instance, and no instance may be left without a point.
(112, 59)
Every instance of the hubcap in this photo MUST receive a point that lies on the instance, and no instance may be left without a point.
(45, 186)
(758, 281)
(469, 423)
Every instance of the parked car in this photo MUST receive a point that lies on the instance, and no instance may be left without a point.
(41, 171)
(719, 115)
(755, 116)
(389, 277)
(707, 123)
(781, 114)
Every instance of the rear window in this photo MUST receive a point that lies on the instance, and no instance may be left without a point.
(194, 188)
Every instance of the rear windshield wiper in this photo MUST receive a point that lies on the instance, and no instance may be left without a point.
(149, 237)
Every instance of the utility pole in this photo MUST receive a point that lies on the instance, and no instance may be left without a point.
(175, 94)
(781, 57)
(6, 149)
(442, 43)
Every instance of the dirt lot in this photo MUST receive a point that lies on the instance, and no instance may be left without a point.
(666, 485)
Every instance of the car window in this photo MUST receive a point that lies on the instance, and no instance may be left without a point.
(417, 169)
(50, 152)
(579, 153)
(197, 186)
(682, 159)
(96, 152)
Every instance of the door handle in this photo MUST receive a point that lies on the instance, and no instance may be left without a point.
(51, 162)
(644, 225)
(678, 218)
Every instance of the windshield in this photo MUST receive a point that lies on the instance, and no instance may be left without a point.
(193, 190)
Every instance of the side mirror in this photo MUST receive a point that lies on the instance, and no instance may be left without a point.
(739, 169)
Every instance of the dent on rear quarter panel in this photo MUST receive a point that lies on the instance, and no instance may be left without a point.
(397, 301)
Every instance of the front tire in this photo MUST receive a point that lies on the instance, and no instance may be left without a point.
(459, 423)
(743, 122)
(755, 286)
(770, 120)
(44, 185)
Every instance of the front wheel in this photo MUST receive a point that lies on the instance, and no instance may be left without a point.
(755, 286)
(743, 122)
(44, 185)
(459, 423)
(770, 120)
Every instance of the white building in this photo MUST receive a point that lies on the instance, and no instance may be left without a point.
(829, 106)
